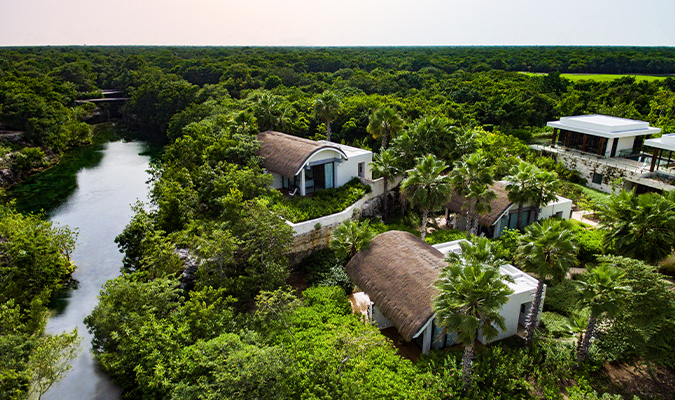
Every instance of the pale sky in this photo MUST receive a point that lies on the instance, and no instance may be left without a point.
(337, 23)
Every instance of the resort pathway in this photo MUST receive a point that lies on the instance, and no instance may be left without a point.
(580, 216)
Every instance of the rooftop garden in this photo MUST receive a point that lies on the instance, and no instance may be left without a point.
(319, 204)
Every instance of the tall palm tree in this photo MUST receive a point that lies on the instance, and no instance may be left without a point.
(350, 237)
(384, 123)
(471, 294)
(385, 164)
(548, 249)
(266, 111)
(641, 227)
(326, 108)
(428, 135)
(467, 178)
(427, 188)
(602, 290)
(545, 187)
(520, 187)
(482, 196)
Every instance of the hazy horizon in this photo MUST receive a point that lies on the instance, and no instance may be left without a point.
(350, 23)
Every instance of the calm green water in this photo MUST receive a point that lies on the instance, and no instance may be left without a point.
(91, 190)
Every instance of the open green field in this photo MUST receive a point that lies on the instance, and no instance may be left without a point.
(603, 77)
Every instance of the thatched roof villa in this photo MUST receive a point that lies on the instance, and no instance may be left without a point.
(310, 165)
(398, 271)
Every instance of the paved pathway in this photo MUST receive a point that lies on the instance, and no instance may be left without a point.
(580, 216)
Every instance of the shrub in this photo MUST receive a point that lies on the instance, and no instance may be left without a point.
(557, 325)
(29, 158)
(444, 235)
(562, 298)
(324, 268)
(322, 203)
(590, 244)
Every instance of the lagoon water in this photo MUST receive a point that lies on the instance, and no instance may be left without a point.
(91, 190)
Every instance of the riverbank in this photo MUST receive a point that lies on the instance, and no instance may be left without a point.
(91, 190)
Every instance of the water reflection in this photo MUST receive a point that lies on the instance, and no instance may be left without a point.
(92, 190)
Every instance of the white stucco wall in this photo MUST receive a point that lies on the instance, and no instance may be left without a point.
(380, 320)
(563, 205)
(625, 143)
(350, 168)
(277, 181)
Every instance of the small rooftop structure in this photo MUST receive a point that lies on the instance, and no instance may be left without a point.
(604, 126)
(398, 272)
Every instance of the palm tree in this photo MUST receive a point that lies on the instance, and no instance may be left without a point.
(266, 111)
(544, 187)
(548, 249)
(385, 164)
(602, 290)
(482, 196)
(471, 294)
(351, 237)
(520, 187)
(428, 135)
(467, 179)
(243, 123)
(326, 108)
(426, 187)
(641, 227)
(384, 123)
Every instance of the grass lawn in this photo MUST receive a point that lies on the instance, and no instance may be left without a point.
(603, 77)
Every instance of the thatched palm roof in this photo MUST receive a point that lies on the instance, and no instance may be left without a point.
(286, 154)
(398, 271)
(498, 205)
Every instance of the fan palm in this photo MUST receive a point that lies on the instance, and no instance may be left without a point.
(427, 188)
(326, 108)
(548, 249)
(545, 187)
(351, 237)
(384, 123)
(602, 290)
(471, 295)
(641, 227)
(468, 177)
(520, 187)
(385, 164)
(482, 196)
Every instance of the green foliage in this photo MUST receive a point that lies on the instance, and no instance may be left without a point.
(562, 297)
(36, 256)
(471, 294)
(322, 203)
(640, 226)
(590, 243)
(645, 327)
(350, 237)
(557, 325)
(29, 158)
(444, 235)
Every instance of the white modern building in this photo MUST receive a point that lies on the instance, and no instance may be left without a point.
(398, 272)
(308, 165)
(604, 148)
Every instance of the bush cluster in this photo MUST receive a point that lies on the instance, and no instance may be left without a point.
(324, 268)
(322, 203)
